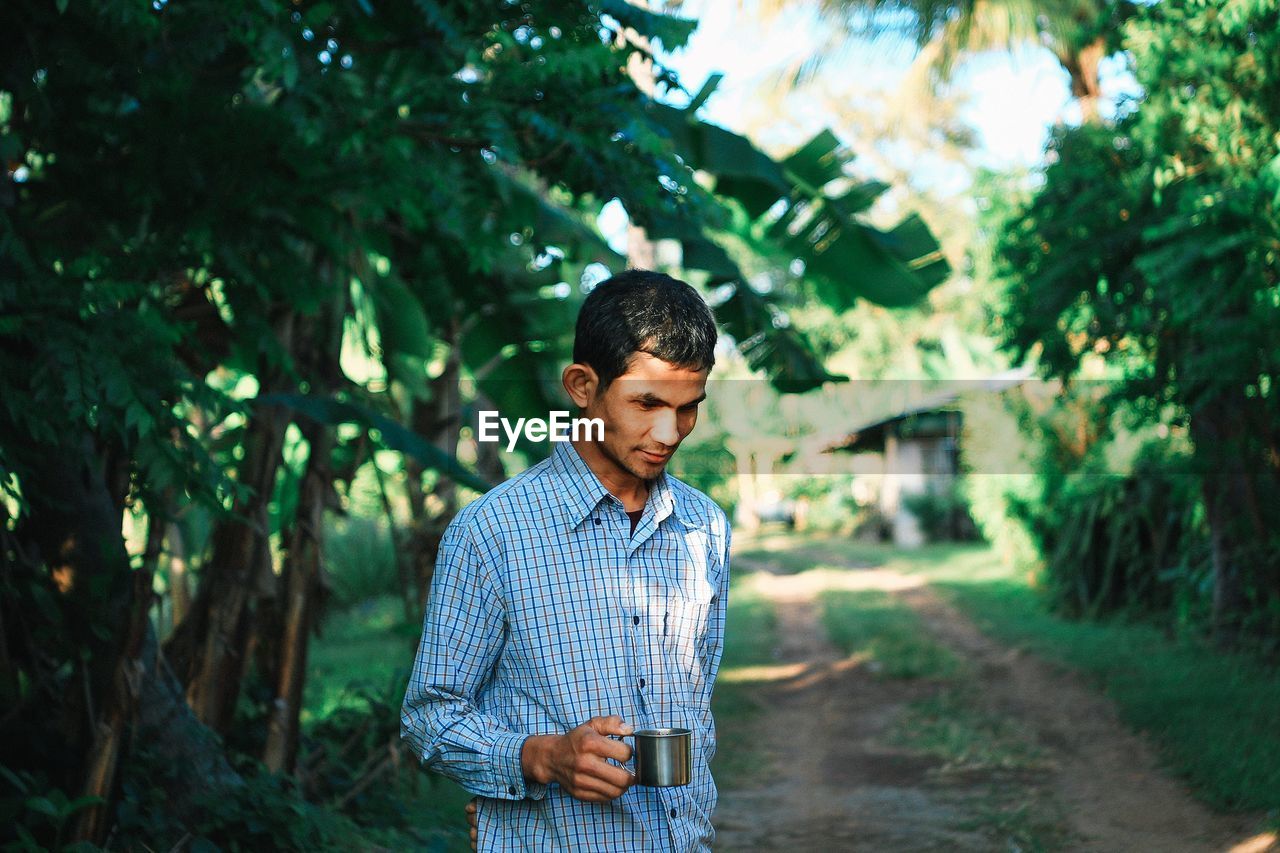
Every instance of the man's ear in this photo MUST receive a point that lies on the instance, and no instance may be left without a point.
(580, 381)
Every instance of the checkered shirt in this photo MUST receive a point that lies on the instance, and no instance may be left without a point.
(546, 610)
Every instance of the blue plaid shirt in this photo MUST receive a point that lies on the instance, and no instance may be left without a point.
(546, 610)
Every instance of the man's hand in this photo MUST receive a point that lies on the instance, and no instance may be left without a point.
(474, 821)
(577, 760)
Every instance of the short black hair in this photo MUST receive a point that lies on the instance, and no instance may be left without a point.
(643, 311)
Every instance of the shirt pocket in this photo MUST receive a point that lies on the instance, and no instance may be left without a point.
(684, 641)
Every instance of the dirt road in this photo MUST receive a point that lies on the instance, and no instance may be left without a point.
(842, 780)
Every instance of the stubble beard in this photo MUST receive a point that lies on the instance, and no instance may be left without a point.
(622, 463)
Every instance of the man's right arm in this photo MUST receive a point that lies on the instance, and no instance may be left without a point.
(461, 638)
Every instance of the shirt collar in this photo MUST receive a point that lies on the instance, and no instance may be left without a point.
(581, 490)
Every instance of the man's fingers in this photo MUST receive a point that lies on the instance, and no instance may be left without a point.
(602, 771)
(606, 747)
(610, 725)
(474, 821)
(595, 790)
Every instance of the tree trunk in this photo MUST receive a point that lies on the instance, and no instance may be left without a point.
(642, 253)
(436, 419)
(1239, 489)
(121, 706)
(284, 628)
(179, 582)
(73, 532)
(302, 591)
(210, 648)
(1082, 67)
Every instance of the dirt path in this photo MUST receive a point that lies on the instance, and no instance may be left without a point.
(839, 783)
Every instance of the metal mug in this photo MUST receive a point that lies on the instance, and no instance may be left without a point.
(664, 757)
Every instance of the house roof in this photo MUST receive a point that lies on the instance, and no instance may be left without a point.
(869, 434)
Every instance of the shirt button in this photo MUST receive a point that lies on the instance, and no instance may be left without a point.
(635, 620)
(596, 520)
(642, 682)
(673, 812)
(511, 789)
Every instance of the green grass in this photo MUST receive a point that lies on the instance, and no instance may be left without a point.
(949, 725)
(751, 634)
(997, 764)
(876, 624)
(370, 648)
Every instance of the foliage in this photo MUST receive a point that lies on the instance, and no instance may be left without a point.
(704, 462)
(943, 512)
(1152, 248)
(361, 560)
(37, 816)
(1132, 541)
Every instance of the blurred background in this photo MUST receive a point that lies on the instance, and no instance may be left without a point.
(993, 411)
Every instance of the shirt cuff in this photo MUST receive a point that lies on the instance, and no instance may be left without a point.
(509, 773)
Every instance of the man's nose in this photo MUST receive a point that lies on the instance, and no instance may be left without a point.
(665, 429)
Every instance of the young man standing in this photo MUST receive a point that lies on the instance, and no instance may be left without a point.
(583, 599)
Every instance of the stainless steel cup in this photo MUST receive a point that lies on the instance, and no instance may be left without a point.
(663, 757)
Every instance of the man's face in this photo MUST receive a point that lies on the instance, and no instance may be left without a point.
(647, 412)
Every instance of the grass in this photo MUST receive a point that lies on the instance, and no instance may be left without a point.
(370, 648)
(950, 726)
(751, 634)
(876, 625)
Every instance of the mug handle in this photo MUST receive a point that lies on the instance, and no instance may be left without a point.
(633, 752)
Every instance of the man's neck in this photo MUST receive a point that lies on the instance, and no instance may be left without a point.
(622, 484)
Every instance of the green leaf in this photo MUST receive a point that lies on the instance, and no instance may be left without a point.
(671, 31)
(777, 349)
(402, 320)
(816, 163)
(318, 15)
(79, 803)
(42, 805)
(394, 436)
(705, 92)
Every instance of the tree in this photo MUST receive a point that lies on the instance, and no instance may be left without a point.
(1153, 247)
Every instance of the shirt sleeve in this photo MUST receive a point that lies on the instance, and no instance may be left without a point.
(462, 635)
(713, 645)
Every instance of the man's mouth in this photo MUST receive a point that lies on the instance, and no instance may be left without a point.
(656, 457)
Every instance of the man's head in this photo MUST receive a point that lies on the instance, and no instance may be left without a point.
(642, 351)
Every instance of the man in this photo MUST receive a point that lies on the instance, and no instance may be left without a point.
(583, 599)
